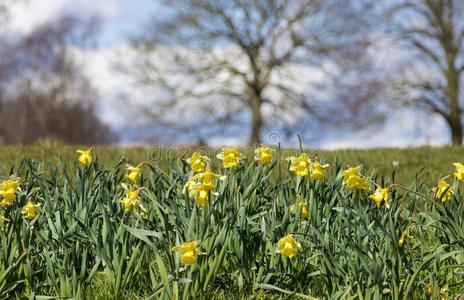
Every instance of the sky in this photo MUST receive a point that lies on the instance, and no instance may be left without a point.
(123, 18)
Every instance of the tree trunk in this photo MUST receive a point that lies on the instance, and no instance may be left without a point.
(456, 132)
(256, 119)
(454, 120)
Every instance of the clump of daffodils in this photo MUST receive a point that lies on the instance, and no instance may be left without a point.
(230, 157)
(352, 178)
(381, 195)
(288, 246)
(202, 185)
(30, 210)
(264, 155)
(303, 166)
(198, 162)
(443, 191)
(188, 252)
(85, 156)
(300, 165)
(132, 201)
(8, 189)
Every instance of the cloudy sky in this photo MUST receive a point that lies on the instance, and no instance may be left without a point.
(121, 18)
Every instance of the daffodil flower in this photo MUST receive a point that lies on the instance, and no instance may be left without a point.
(459, 174)
(133, 173)
(208, 179)
(200, 194)
(264, 155)
(198, 162)
(317, 170)
(288, 246)
(191, 187)
(8, 189)
(443, 191)
(303, 207)
(188, 252)
(132, 202)
(30, 210)
(202, 197)
(202, 185)
(230, 157)
(405, 236)
(356, 182)
(380, 195)
(85, 156)
(352, 178)
(299, 165)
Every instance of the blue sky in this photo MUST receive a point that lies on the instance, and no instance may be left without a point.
(128, 17)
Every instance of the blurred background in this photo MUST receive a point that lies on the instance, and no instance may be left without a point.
(338, 73)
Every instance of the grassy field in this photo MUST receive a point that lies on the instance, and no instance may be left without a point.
(430, 163)
(96, 228)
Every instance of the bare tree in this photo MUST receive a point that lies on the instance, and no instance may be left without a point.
(435, 30)
(45, 93)
(220, 60)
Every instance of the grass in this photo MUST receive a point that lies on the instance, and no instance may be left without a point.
(84, 244)
(431, 163)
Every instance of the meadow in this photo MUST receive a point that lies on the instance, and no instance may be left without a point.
(151, 223)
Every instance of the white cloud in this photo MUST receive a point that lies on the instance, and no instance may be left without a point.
(406, 128)
(27, 15)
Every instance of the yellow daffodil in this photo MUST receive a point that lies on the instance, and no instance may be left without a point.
(191, 187)
(264, 155)
(405, 236)
(201, 195)
(352, 171)
(303, 207)
(198, 162)
(202, 185)
(300, 165)
(459, 174)
(443, 291)
(202, 198)
(443, 191)
(208, 179)
(188, 252)
(352, 178)
(8, 189)
(133, 173)
(230, 157)
(380, 195)
(357, 182)
(317, 170)
(132, 201)
(85, 156)
(288, 246)
(30, 210)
